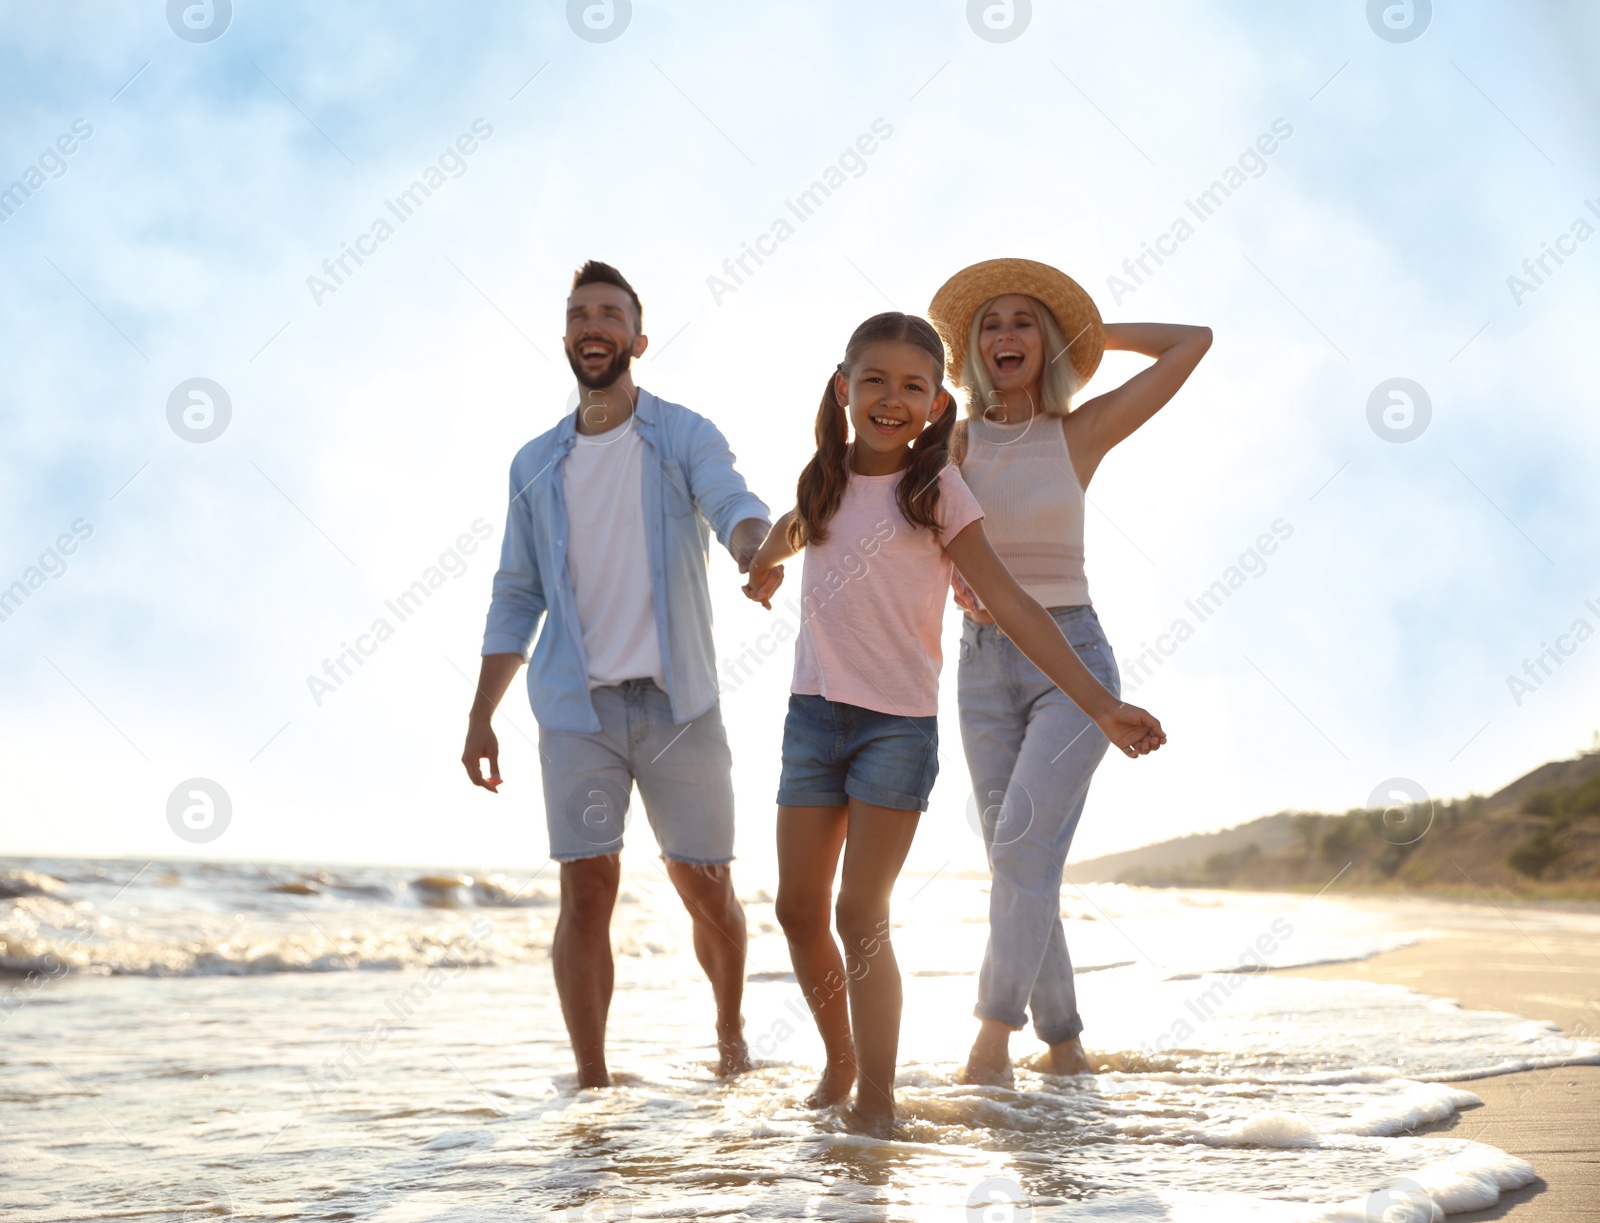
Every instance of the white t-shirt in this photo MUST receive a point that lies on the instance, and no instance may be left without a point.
(607, 558)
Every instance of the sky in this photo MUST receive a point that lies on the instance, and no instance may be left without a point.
(191, 557)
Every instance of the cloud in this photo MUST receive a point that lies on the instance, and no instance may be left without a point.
(370, 430)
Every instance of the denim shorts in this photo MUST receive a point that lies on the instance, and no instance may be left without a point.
(834, 752)
(683, 771)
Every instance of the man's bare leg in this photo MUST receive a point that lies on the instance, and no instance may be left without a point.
(581, 956)
(719, 944)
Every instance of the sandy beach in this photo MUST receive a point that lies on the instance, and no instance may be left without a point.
(1549, 1117)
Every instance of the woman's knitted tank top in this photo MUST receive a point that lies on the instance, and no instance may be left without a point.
(1032, 502)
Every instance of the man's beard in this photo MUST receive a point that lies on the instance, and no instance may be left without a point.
(620, 361)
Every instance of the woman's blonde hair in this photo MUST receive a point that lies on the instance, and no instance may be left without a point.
(1057, 385)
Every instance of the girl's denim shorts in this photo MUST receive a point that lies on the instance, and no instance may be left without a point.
(834, 752)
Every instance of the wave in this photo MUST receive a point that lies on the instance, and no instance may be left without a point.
(485, 891)
(38, 961)
(17, 883)
(213, 886)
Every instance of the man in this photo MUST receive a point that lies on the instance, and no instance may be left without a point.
(607, 534)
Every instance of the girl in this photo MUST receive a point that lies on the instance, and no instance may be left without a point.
(1028, 456)
(881, 518)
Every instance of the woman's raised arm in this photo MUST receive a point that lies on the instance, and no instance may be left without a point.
(1098, 425)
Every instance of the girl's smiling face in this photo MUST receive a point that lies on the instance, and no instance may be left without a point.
(891, 393)
(1010, 342)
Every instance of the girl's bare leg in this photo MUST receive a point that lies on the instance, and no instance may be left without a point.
(809, 840)
(875, 849)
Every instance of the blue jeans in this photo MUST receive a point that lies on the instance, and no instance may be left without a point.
(1032, 753)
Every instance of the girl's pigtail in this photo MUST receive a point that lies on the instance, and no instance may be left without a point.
(918, 491)
(821, 485)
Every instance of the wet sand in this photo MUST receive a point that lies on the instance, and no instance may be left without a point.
(1549, 1117)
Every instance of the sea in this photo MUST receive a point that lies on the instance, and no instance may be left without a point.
(191, 1040)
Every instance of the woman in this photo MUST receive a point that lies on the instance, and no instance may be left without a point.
(1022, 338)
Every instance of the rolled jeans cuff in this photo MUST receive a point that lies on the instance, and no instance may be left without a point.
(1066, 1031)
(1015, 1020)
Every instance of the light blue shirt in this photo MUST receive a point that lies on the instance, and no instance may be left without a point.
(690, 489)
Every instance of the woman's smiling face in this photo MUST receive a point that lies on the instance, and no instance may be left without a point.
(892, 392)
(1011, 343)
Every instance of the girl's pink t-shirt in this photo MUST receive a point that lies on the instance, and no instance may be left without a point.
(872, 599)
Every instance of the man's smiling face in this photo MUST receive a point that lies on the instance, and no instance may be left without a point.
(602, 336)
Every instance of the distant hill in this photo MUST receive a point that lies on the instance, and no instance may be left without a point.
(1537, 837)
(1268, 834)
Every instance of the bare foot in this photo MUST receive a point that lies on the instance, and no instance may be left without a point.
(873, 1124)
(733, 1055)
(988, 1068)
(593, 1076)
(835, 1084)
(1068, 1057)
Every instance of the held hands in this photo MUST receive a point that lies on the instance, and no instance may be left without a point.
(1135, 731)
(746, 541)
(749, 538)
(766, 566)
(967, 599)
(764, 583)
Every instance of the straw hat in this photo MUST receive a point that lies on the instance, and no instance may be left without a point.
(959, 299)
